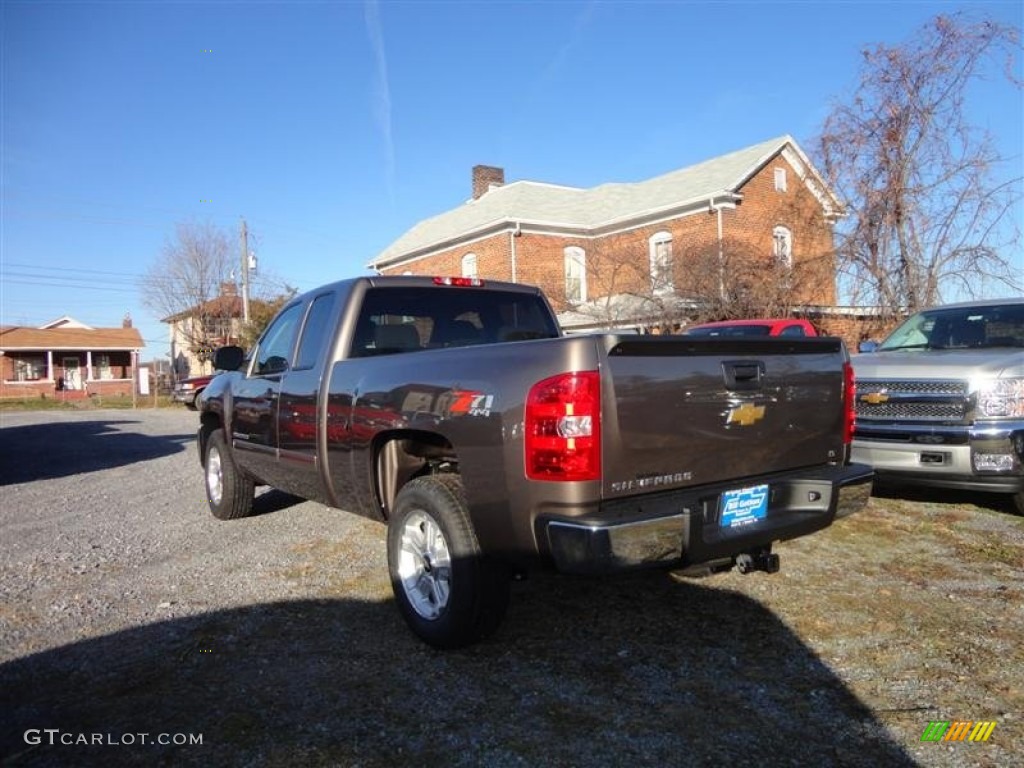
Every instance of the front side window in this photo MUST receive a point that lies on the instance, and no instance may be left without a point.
(469, 265)
(782, 246)
(314, 333)
(575, 275)
(275, 347)
(661, 264)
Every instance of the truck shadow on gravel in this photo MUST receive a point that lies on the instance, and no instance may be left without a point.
(640, 670)
(58, 449)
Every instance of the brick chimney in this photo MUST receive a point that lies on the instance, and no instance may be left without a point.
(228, 289)
(485, 177)
(127, 321)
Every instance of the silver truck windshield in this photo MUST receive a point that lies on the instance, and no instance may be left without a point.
(960, 328)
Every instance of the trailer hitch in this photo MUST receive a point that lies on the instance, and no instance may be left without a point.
(758, 560)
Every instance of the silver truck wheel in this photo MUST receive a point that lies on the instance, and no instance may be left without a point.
(425, 565)
(229, 491)
(450, 594)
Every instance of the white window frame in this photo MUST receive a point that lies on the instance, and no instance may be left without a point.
(782, 245)
(102, 366)
(469, 265)
(575, 274)
(780, 180)
(662, 263)
(30, 369)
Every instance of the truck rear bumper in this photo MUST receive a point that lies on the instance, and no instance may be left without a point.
(685, 528)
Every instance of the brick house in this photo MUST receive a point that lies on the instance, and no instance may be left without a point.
(69, 358)
(624, 248)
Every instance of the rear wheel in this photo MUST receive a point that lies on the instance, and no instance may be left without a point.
(229, 491)
(449, 594)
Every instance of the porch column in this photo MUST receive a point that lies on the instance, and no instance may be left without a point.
(49, 365)
(88, 365)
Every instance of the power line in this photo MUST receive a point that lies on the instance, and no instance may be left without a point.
(77, 287)
(70, 269)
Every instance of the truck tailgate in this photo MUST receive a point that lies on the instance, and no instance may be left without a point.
(682, 412)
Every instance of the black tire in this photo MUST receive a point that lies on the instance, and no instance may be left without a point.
(452, 601)
(229, 491)
(1018, 502)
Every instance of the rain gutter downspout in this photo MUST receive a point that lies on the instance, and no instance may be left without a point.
(721, 248)
(512, 235)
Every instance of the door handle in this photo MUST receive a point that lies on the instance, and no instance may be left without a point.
(742, 375)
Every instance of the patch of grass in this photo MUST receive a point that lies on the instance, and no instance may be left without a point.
(92, 403)
(991, 552)
(34, 404)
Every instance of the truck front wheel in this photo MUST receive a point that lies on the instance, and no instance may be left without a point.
(449, 593)
(1018, 502)
(229, 491)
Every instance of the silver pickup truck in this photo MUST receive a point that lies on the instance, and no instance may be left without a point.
(941, 401)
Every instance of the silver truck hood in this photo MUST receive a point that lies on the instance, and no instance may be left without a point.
(940, 364)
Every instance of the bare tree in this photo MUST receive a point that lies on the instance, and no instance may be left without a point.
(721, 282)
(925, 215)
(194, 281)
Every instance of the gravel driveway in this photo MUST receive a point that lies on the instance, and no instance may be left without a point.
(131, 617)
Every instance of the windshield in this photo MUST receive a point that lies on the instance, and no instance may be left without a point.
(960, 328)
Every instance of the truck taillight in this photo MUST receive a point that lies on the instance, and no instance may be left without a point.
(459, 282)
(849, 403)
(563, 428)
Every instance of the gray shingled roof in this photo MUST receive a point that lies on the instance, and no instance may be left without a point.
(585, 209)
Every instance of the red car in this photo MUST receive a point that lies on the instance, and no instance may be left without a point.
(187, 390)
(788, 326)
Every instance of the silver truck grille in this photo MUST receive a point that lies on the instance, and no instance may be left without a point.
(904, 400)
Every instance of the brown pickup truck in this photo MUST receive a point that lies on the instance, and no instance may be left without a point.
(456, 413)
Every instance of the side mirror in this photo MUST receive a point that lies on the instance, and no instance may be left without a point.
(867, 346)
(274, 364)
(228, 358)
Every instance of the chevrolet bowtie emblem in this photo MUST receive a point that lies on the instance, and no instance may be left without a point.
(874, 398)
(745, 414)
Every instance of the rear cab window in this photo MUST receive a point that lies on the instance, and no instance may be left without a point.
(409, 319)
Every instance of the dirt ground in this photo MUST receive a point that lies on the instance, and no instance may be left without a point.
(129, 614)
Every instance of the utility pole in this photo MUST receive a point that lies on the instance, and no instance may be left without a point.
(245, 273)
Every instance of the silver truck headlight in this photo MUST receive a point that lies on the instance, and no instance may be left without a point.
(1001, 398)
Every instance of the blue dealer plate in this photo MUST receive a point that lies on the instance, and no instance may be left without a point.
(744, 506)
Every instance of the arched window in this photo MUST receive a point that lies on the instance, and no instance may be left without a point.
(469, 265)
(782, 246)
(575, 275)
(661, 263)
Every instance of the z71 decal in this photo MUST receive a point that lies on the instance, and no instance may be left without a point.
(470, 404)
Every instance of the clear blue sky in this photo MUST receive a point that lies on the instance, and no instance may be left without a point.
(333, 127)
